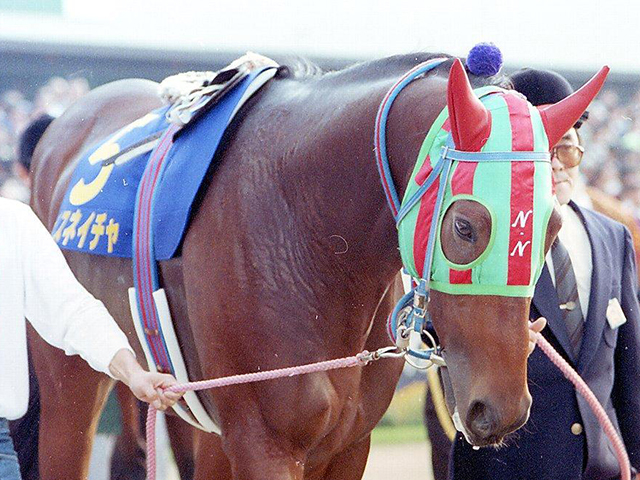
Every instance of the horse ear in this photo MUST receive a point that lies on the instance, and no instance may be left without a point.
(560, 117)
(470, 120)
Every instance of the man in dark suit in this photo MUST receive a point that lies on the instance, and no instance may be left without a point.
(587, 292)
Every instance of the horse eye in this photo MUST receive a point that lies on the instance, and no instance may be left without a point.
(464, 230)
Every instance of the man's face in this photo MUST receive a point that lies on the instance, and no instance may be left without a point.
(565, 176)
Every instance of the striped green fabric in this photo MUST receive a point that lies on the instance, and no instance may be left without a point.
(518, 195)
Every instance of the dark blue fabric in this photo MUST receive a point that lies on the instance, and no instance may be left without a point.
(187, 164)
(545, 448)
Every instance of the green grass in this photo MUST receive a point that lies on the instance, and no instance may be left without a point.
(406, 407)
(398, 434)
(403, 422)
(110, 422)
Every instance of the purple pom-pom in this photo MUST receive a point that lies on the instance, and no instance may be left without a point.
(484, 60)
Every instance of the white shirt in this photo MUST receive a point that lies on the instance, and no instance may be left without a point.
(580, 195)
(574, 237)
(36, 283)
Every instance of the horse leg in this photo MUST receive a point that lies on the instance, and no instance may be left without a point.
(350, 463)
(211, 461)
(72, 397)
(181, 437)
(128, 458)
(256, 453)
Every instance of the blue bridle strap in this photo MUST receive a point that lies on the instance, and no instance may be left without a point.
(460, 156)
(449, 154)
(380, 140)
(433, 176)
(444, 175)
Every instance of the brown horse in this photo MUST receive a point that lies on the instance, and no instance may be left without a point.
(291, 257)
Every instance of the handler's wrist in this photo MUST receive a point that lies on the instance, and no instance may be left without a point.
(124, 365)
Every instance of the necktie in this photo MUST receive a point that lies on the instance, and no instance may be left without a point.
(567, 290)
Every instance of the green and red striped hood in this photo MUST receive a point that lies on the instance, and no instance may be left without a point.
(518, 195)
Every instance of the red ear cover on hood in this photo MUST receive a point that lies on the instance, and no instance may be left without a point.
(470, 120)
(560, 117)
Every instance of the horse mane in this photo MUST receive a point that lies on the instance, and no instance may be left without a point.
(302, 69)
(299, 68)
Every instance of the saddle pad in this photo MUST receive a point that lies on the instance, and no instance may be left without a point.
(96, 215)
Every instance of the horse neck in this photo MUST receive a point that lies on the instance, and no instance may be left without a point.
(353, 238)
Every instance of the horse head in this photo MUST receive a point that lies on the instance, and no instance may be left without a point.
(478, 239)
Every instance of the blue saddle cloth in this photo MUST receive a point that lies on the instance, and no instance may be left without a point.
(97, 213)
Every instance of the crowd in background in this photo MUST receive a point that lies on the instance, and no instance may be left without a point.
(611, 137)
(17, 112)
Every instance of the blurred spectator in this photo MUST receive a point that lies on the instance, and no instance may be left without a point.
(58, 94)
(19, 114)
(27, 145)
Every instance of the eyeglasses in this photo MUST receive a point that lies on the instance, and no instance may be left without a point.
(569, 155)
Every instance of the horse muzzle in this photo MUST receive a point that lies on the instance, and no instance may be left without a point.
(484, 423)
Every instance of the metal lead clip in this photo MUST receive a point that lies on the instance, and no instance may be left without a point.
(438, 360)
(384, 352)
(420, 303)
(388, 352)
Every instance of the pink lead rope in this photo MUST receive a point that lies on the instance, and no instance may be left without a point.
(585, 391)
(362, 359)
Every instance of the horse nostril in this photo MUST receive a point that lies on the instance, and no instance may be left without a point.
(481, 419)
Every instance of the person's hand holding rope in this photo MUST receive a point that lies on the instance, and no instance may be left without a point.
(147, 386)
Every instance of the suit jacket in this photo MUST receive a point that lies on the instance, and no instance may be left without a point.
(562, 439)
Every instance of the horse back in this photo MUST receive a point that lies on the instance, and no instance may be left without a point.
(101, 112)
